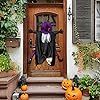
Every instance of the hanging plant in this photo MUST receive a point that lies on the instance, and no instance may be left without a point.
(87, 54)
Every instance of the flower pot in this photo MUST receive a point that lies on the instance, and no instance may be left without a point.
(95, 98)
(7, 74)
(13, 1)
(97, 54)
(85, 92)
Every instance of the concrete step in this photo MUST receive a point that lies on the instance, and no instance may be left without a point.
(54, 98)
(47, 98)
(44, 79)
(44, 90)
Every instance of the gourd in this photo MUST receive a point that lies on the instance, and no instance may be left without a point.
(24, 87)
(24, 96)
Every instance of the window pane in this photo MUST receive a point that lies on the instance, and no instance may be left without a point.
(43, 18)
(97, 21)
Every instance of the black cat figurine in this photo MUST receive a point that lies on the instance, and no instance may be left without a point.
(22, 81)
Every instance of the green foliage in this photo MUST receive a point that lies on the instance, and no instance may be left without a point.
(87, 49)
(19, 8)
(85, 82)
(92, 84)
(94, 90)
(9, 28)
(2, 46)
(4, 63)
(11, 14)
(4, 57)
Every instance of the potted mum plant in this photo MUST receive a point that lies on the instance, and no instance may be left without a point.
(84, 83)
(94, 91)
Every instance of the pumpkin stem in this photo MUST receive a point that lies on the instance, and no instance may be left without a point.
(72, 87)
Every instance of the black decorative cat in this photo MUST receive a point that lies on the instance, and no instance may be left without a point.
(22, 81)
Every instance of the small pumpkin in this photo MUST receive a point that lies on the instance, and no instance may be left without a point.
(66, 84)
(24, 96)
(24, 87)
(73, 93)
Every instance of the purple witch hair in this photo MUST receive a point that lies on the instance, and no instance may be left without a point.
(46, 27)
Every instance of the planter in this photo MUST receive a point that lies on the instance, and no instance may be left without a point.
(7, 74)
(85, 92)
(7, 86)
(95, 98)
(13, 1)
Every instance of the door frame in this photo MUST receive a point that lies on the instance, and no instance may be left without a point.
(25, 51)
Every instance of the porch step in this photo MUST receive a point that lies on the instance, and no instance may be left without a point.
(47, 98)
(45, 88)
(44, 79)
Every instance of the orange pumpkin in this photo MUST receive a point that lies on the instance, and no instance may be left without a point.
(73, 93)
(24, 96)
(24, 87)
(66, 84)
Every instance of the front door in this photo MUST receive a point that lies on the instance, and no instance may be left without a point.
(36, 16)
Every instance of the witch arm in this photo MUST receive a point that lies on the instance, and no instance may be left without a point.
(32, 31)
(60, 31)
(30, 60)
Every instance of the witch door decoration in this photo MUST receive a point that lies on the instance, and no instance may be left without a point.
(45, 38)
(45, 48)
(45, 44)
